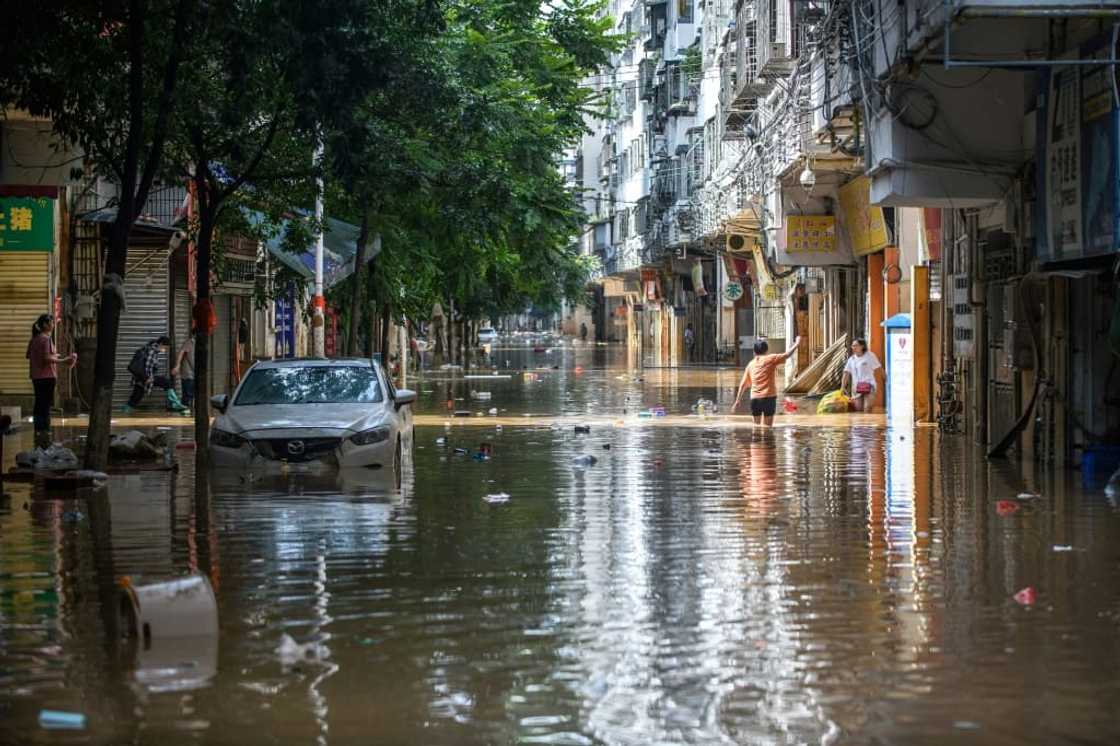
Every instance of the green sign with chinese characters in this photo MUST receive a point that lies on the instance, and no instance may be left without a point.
(26, 224)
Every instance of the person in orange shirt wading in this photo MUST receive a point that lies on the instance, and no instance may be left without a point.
(759, 376)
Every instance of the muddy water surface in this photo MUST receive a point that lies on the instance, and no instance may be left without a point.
(814, 584)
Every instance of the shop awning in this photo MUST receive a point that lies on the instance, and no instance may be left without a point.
(340, 244)
(145, 230)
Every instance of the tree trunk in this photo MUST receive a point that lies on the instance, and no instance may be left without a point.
(385, 319)
(202, 347)
(105, 360)
(452, 341)
(364, 245)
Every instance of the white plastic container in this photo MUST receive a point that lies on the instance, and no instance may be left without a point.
(174, 608)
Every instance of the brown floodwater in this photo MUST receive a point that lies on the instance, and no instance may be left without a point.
(827, 582)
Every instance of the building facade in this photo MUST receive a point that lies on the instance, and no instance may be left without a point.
(829, 165)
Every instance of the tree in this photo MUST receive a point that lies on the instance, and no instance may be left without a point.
(106, 74)
(267, 82)
(471, 206)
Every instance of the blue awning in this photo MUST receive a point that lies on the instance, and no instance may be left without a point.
(340, 244)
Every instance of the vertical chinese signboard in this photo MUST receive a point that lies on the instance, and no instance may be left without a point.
(1079, 158)
(866, 225)
(26, 224)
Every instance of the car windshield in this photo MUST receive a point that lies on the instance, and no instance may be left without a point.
(314, 384)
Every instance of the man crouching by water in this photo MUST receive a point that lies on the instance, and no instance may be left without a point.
(759, 376)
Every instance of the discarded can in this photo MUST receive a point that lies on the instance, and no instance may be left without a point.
(486, 449)
(180, 607)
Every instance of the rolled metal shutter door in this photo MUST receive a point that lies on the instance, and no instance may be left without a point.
(145, 318)
(24, 295)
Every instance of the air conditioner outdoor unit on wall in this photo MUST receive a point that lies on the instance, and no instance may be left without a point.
(737, 242)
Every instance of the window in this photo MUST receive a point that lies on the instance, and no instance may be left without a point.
(315, 384)
(684, 11)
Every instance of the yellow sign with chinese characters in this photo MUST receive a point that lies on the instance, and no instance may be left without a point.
(810, 234)
(26, 224)
(865, 222)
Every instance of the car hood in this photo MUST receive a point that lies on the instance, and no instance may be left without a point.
(323, 417)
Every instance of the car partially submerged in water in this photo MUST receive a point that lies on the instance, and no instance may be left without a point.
(312, 412)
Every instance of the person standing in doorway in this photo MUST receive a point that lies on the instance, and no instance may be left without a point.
(43, 362)
(142, 368)
(859, 380)
(759, 379)
(184, 370)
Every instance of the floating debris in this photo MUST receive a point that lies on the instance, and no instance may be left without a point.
(1007, 507)
(57, 720)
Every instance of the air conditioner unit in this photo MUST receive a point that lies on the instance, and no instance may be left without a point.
(737, 242)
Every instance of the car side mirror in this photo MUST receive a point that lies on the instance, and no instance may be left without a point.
(220, 402)
(405, 396)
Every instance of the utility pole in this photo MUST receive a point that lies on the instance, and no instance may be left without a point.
(318, 303)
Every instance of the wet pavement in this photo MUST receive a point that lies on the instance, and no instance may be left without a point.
(830, 581)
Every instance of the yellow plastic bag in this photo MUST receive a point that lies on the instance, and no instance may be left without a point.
(834, 403)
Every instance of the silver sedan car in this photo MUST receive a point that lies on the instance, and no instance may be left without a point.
(313, 413)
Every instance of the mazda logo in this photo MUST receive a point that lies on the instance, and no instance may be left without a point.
(296, 447)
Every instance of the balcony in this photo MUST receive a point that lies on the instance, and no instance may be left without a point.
(646, 78)
(680, 91)
(777, 53)
(658, 14)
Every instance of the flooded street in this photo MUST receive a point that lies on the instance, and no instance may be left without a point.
(830, 581)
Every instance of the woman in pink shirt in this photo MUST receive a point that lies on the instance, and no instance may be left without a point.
(44, 374)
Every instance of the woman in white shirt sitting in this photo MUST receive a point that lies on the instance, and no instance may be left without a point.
(859, 380)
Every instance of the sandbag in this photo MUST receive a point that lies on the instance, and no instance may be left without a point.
(834, 403)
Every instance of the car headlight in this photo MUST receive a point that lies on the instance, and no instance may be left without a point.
(369, 437)
(225, 440)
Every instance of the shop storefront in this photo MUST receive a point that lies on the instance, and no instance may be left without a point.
(28, 227)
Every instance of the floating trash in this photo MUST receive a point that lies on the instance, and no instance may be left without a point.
(57, 720)
(584, 461)
(291, 652)
(1007, 507)
(1026, 597)
(583, 429)
(497, 498)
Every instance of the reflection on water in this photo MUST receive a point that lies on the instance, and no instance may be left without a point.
(805, 585)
